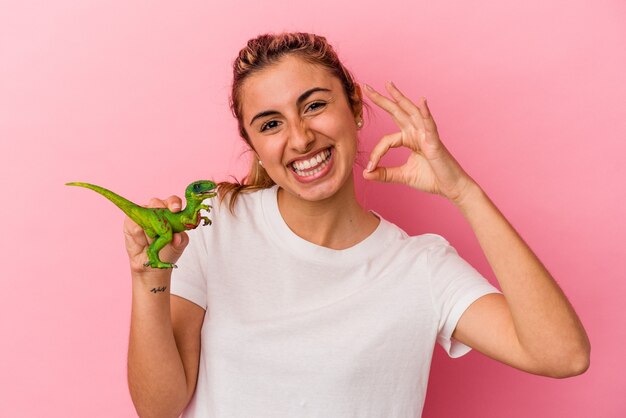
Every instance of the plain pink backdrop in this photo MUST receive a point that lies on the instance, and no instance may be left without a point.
(529, 96)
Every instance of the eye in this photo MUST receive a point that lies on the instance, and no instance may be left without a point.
(316, 106)
(269, 125)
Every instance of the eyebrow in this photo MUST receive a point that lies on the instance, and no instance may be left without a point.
(302, 98)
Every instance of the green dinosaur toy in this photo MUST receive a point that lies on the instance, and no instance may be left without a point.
(161, 223)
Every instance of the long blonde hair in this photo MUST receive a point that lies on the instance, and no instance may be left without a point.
(260, 53)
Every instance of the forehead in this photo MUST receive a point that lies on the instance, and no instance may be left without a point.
(280, 84)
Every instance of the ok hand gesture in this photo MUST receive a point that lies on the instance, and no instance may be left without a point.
(430, 167)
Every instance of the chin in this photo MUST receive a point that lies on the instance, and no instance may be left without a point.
(319, 190)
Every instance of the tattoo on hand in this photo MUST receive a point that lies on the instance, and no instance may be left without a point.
(158, 289)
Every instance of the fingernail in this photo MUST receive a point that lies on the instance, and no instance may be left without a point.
(368, 87)
(392, 85)
(370, 167)
(176, 206)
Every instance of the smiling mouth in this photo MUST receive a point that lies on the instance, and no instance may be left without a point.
(313, 165)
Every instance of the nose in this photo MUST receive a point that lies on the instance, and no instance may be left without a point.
(301, 137)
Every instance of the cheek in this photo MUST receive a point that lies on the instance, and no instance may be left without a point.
(334, 126)
(269, 149)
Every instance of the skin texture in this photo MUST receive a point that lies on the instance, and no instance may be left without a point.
(160, 224)
(532, 326)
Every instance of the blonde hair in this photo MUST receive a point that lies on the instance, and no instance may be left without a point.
(260, 53)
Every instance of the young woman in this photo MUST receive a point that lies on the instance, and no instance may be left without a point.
(298, 301)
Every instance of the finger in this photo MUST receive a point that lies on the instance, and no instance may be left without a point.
(427, 117)
(172, 251)
(388, 141)
(401, 118)
(131, 228)
(134, 237)
(156, 203)
(405, 103)
(420, 114)
(180, 241)
(384, 174)
(174, 203)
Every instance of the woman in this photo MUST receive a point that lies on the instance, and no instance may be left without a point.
(297, 301)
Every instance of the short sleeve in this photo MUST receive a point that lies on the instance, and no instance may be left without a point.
(455, 285)
(189, 279)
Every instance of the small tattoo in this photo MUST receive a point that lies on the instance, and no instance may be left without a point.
(159, 289)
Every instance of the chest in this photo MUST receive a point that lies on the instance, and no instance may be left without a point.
(343, 323)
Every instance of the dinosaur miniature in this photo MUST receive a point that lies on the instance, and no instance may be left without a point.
(160, 223)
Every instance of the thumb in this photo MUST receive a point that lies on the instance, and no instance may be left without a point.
(384, 174)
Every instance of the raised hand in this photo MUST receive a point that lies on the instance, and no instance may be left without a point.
(430, 167)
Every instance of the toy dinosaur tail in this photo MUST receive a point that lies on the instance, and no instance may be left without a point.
(129, 208)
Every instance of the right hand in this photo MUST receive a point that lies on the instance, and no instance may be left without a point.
(137, 241)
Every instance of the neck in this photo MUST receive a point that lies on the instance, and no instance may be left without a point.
(190, 205)
(337, 222)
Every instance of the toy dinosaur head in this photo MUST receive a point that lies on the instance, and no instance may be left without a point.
(200, 190)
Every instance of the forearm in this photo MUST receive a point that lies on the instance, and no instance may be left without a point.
(156, 376)
(546, 325)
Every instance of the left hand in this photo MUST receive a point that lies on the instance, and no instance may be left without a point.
(430, 167)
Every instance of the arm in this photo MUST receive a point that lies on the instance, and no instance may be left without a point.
(164, 344)
(531, 326)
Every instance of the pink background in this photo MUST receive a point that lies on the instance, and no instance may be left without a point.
(529, 96)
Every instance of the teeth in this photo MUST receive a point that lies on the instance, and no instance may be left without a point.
(312, 165)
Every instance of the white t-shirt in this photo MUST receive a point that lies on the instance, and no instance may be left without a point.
(294, 329)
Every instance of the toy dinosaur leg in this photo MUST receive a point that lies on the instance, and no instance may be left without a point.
(153, 252)
(206, 220)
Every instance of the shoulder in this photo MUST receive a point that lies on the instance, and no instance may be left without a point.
(241, 202)
(415, 243)
(409, 251)
(245, 218)
(245, 204)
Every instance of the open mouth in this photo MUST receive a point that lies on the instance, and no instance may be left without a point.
(313, 165)
(208, 193)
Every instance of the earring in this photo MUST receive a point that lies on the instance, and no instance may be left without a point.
(359, 123)
(261, 163)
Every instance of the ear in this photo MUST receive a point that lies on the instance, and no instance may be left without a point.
(357, 109)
